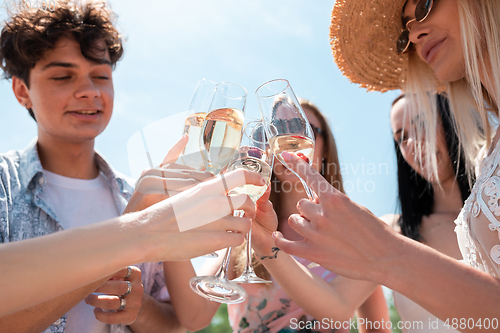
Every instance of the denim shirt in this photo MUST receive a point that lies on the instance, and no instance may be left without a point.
(26, 212)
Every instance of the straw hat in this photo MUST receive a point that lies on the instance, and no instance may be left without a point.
(363, 36)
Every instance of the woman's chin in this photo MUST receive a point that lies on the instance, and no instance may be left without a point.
(448, 74)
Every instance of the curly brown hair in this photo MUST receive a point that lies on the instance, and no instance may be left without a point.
(30, 33)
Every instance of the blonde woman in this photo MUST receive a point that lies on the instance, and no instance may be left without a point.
(445, 44)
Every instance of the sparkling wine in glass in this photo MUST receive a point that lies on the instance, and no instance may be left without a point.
(219, 142)
(286, 124)
(198, 108)
(255, 155)
(221, 131)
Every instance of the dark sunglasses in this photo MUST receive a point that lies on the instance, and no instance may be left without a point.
(421, 12)
(316, 130)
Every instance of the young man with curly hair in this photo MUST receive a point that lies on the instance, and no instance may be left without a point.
(61, 65)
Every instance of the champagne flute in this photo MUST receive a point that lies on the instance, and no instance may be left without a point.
(287, 126)
(221, 135)
(198, 108)
(221, 131)
(191, 155)
(255, 155)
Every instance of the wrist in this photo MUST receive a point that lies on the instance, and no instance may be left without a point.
(153, 229)
(391, 269)
(139, 245)
(142, 317)
(273, 254)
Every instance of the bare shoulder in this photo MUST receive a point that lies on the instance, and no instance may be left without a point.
(392, 221)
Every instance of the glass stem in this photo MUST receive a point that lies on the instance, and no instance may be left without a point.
(249, 268)
(308, 190)
(306, 187)
(224, 268)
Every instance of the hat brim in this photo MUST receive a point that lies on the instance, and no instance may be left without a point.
(363, 37)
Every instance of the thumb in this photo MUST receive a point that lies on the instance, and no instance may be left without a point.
(263, 202)
(293, 248)
(281, 242)
(266, 194)
(310, 175)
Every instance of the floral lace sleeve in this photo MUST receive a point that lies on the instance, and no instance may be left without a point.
(478, 225)
(486, 220)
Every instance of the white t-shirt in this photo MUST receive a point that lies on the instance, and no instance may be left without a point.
(80, 202)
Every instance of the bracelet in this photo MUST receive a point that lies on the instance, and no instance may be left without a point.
(275, 250)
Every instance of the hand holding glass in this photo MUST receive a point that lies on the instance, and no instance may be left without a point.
(286, 124)
(200, 102)
(254, 155)
(220, 139)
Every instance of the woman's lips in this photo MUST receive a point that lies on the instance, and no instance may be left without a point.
(430, 49)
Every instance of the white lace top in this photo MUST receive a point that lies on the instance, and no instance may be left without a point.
(478, 225)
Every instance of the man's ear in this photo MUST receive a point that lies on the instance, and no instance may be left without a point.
(22, 92)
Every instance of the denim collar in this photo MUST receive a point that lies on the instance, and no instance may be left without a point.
(31, 171)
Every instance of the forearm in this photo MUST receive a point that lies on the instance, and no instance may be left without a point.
(445, 287)
(194, 312)
(336, 300)
(155, 317)
(57, 260)
(40, 317)
(374, 310)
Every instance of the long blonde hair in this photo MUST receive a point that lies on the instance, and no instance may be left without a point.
(330, 170)
(474, 111)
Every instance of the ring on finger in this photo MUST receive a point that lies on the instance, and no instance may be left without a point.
(129, 272)
(123, 303)
(129, 289)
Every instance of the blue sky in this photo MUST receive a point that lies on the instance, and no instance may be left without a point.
(170, 45)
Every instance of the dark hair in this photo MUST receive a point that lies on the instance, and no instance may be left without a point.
(30, 33)
(416, 195)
